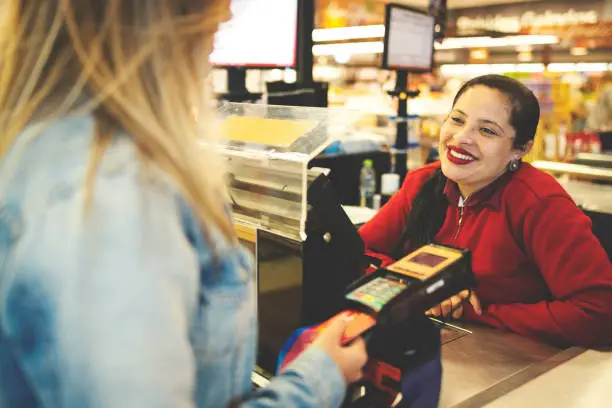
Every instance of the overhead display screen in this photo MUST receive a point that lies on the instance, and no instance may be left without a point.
(409, 39)
(260, 34)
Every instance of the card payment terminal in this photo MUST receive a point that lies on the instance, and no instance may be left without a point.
(421, 280)
(377, 304)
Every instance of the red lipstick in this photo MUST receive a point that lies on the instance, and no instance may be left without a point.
(459, 156)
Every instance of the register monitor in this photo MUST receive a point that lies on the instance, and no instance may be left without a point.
(409, 39)
(260, 34)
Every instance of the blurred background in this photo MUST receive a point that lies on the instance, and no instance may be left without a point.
(561, 49)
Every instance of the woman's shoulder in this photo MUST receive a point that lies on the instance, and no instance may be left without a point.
(48, 172)
(130, 203)
(530, 186)
(50, 148)
(53, 162)
(537, 182)
(54, 155)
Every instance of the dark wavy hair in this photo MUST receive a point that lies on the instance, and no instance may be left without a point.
(429, 207)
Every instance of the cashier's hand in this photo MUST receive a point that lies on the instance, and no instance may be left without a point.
(454, 305)
(351, 358)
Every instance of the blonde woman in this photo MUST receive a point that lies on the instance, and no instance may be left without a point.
(121, 282)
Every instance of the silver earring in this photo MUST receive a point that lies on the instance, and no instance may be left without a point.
(514, 165)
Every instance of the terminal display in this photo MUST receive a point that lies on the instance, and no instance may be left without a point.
(428, 259)
(425, 262)
(260, 34)
(409, 39)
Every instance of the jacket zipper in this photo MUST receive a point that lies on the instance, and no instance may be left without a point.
(460, 221)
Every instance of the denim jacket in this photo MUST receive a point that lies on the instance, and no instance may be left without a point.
(125, 302)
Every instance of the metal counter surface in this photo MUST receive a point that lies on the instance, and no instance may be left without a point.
(582, 382)
(487, 363)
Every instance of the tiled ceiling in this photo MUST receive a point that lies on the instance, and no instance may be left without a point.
(462, 3)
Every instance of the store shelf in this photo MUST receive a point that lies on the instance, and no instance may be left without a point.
(579, 170)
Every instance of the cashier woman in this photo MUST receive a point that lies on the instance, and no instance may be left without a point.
(122, 284)
(541, 271)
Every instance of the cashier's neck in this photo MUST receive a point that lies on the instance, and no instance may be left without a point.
(468, 190)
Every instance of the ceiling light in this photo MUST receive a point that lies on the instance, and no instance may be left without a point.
(529, 67)
(591, 67)
(475, 69)
(501, 68)
(378, 31)
(488, 42)
(562, 67)
(348, 33)
(371, 47)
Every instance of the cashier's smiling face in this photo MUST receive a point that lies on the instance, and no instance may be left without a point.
(476, 140)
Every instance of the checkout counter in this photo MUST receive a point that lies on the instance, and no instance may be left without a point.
(307, 253)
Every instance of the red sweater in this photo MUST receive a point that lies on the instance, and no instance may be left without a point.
(541, 272)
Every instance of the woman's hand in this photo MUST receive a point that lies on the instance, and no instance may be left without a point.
(454, 305)
(350, 359)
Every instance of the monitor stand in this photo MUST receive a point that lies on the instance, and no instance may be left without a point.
(236, 87)
(402, 93)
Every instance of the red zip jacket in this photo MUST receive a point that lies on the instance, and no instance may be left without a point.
(541, 272)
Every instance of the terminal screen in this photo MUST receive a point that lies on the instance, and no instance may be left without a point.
(377, 292)
(427, 259)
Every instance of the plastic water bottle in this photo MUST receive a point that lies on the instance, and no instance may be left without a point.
(367, 184)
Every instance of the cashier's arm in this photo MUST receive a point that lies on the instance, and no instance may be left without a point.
(558, 237)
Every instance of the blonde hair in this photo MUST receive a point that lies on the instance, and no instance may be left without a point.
(139, 65)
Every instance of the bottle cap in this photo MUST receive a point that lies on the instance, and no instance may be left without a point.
(368, 163)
